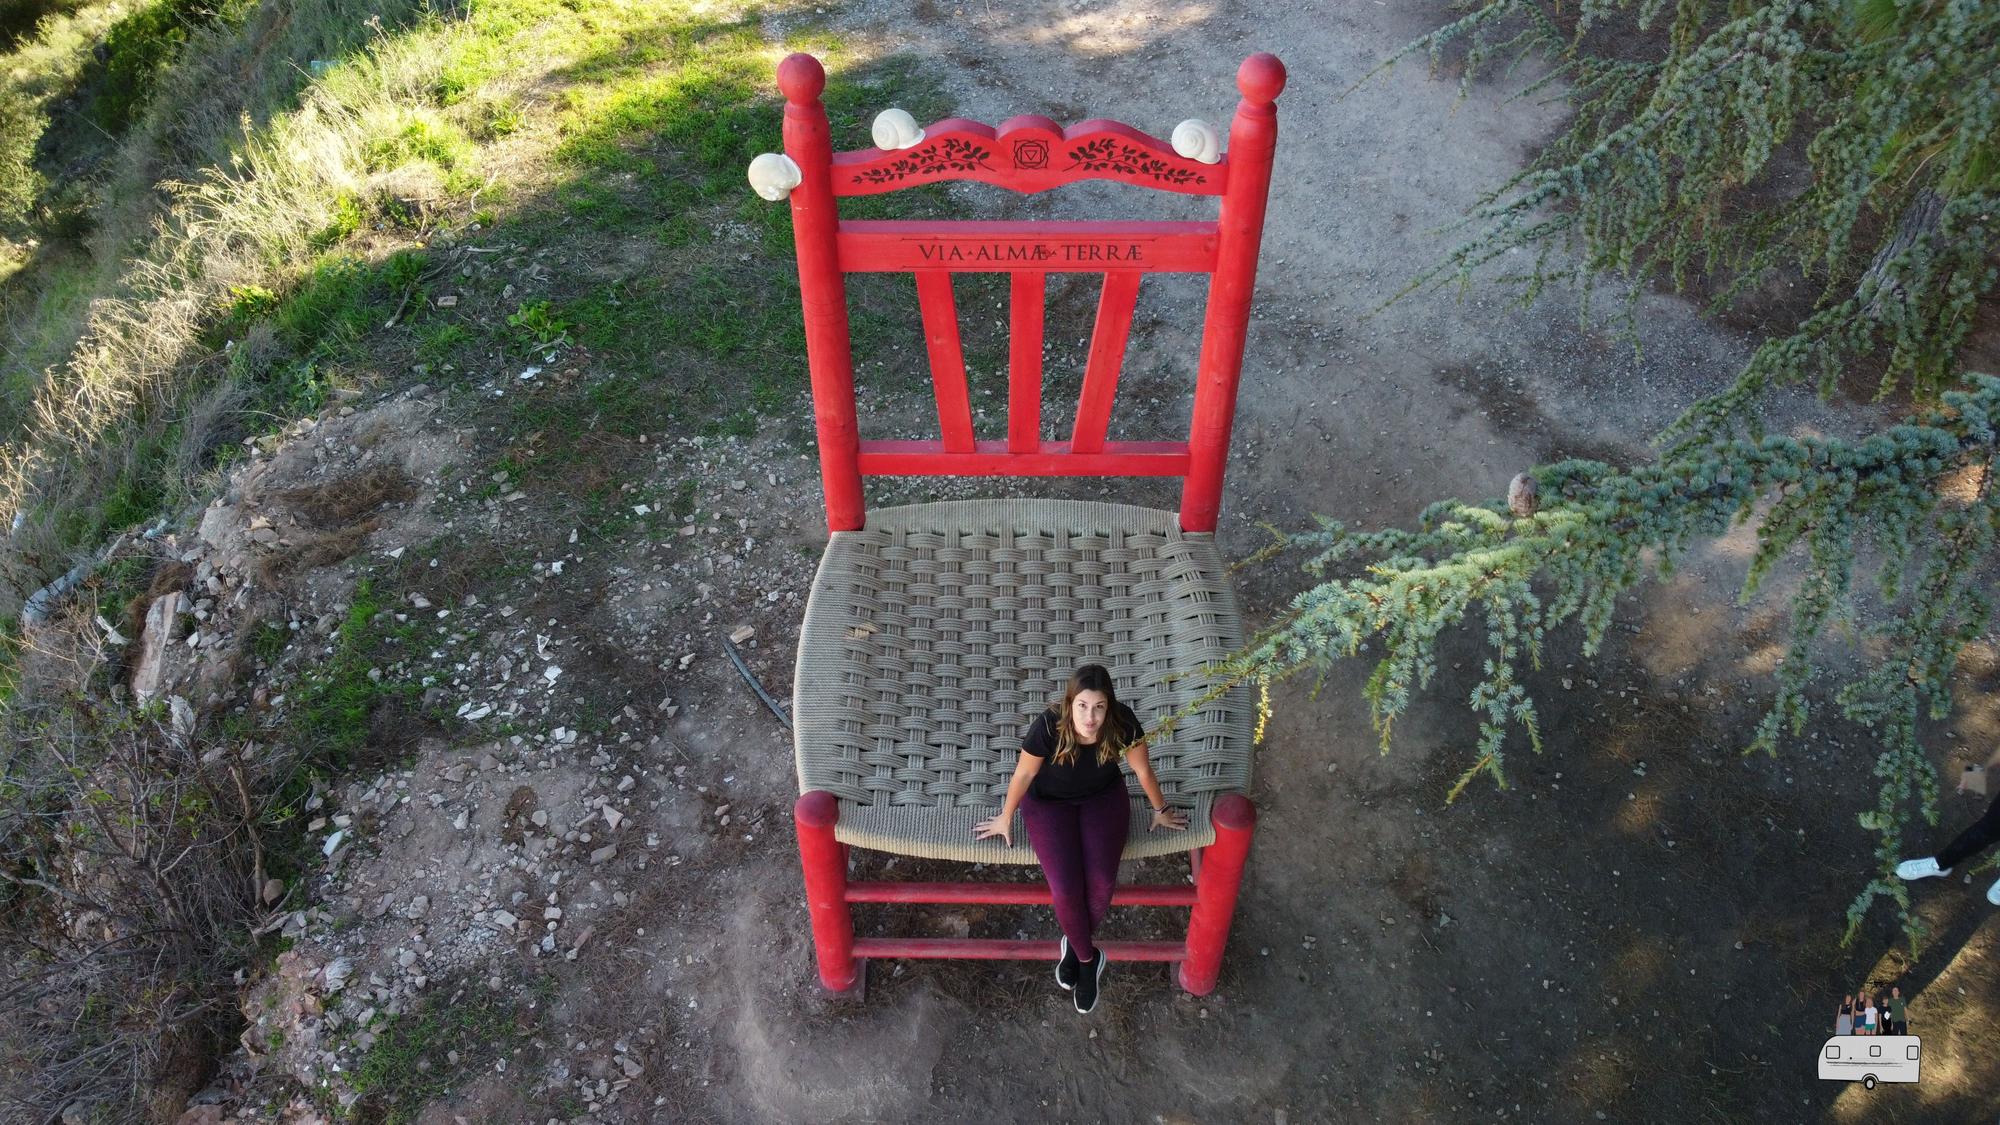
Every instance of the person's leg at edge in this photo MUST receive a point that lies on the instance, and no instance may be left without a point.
(1974, 839)
(1107, 820)
(1054, 831)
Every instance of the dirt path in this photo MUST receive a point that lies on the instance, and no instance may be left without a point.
(1645, 928)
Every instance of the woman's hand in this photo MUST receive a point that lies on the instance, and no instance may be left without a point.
(995, 825)
(1168, 818)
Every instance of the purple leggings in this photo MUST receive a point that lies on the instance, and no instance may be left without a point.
(1078, 846)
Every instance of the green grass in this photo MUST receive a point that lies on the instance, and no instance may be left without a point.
(269, 643)
(10, 666)
(52, 297)
(655, 137)
(408, 1066)
(657, 112)
(119, 581)
(331, 307)
(143, 485)
(344, 218)
(136, 49)
(326, 318)
(535, 329)
(442, 340)
(334, 702)
(423, 135)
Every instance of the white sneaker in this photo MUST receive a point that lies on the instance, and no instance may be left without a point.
(1920, 868)
(1993, 893)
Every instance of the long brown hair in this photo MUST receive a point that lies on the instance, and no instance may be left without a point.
(1112, 737)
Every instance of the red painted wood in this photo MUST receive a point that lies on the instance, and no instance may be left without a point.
(894, 246)
(1003, 949)
(940, 314)
(1052, 459)
(1253, 135)
(1025, 154)
(1216, 885)
(1107, 354)
(1012, 894)
(1028, 154)
(824, 861)
(1026, 307)
(822, 291)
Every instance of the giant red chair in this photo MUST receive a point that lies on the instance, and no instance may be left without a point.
(935, 631)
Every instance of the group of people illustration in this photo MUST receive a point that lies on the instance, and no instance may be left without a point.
(1860, 1015)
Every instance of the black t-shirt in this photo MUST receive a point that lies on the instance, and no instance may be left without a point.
(1082, 778)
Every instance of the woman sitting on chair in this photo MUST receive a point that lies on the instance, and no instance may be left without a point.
(1071, 794)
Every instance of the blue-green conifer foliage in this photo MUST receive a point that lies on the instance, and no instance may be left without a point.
(1884, 115)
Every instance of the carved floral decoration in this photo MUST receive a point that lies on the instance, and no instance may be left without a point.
(952, 154)
(1110, 154)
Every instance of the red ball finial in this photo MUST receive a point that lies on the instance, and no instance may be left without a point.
(801, 78)
(1261, 77)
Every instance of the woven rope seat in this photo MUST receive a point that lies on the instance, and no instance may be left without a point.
(933, 636)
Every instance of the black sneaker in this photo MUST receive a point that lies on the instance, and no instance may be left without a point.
(1068, 968)
(1086, 983)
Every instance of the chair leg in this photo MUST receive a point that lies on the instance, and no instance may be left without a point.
(824, 861)
(1216, 883)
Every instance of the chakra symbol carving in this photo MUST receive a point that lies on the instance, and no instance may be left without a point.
(1031, 154)
(1109, 154)
(951, 154)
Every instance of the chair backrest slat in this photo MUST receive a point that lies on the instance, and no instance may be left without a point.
(947, 356)
(1026, 154)
(1024, 361)
(1107, 354)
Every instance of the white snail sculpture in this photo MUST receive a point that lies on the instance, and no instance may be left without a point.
(1197, 140)
(774, 175)
(895, 128)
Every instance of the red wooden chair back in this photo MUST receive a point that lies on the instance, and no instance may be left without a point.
(1027, 154)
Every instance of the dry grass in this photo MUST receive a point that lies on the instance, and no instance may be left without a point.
(247, 209)
(336, 503)
(127, 891)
